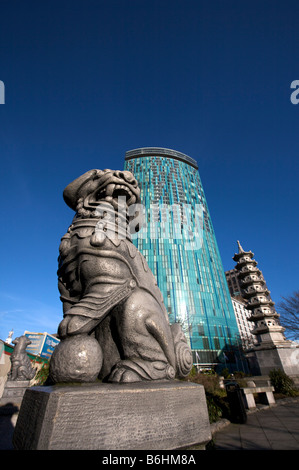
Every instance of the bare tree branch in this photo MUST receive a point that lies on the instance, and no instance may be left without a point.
(288, 309)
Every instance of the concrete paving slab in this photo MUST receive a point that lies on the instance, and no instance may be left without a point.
(271, 428)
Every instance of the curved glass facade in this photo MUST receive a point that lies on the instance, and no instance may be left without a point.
(187, 267)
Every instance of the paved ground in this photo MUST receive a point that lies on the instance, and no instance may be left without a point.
(8, 419)
(271, 428)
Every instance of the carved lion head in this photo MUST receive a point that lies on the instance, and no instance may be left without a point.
(94, 187)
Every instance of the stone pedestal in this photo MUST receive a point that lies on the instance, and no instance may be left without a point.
(139, 416)
(14, 391)
(284, 358)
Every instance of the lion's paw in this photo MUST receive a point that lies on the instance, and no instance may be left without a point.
(123, 374)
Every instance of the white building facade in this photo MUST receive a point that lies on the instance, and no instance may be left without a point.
(245, 326)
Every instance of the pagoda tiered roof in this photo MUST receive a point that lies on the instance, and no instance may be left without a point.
(241, 253)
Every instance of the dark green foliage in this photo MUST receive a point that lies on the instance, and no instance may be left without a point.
(217, 407)
(282, 383)
(225, 373)
(42, 374)
(214, 410)
(216, 396)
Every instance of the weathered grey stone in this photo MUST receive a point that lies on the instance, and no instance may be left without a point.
(21, 368)
(14, 391)
(84, 356)
(145, 415)
(284, 358)
(108, 291)
(265, 395)
(272, 350)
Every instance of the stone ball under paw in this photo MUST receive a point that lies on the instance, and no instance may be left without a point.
(76, 359)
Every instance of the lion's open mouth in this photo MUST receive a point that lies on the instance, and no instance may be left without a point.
(117, 190)
(112, 192)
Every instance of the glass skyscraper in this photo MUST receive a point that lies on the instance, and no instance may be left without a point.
(179, 244)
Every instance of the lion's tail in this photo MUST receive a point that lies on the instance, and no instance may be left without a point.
(182, 350)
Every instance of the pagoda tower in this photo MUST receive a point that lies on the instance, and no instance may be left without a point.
(272, 349)
(266, 320)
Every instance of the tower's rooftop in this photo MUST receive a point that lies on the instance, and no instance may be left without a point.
(242, 252)
(161, 152)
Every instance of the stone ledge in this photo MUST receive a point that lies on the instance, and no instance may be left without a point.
(144, 416)
(14, 391)
(258, 389)
(219, 425)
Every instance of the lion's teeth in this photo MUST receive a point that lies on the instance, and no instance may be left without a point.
(110, 189)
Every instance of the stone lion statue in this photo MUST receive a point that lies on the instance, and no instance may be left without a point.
(21, 368)
(115, 324)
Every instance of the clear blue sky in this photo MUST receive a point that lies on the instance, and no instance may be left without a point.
(85, 81)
